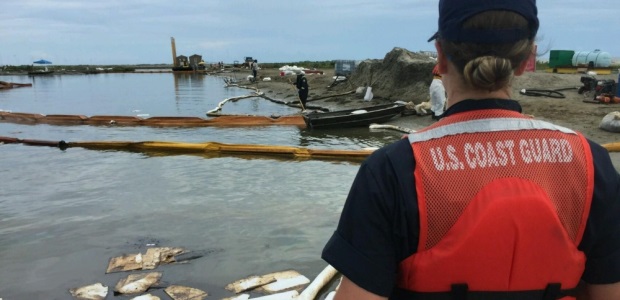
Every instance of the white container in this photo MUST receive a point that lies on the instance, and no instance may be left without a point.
(369, 94)
(592, 59)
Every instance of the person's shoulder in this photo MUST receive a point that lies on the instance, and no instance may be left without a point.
(392, 154)
(602, 160)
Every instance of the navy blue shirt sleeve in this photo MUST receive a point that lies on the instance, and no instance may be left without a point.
(374, 234)
(601, 239)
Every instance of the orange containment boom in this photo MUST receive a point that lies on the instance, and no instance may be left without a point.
(208, 149)
(10, 85)
(222, 121)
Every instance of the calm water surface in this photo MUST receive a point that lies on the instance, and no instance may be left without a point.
(64, 214)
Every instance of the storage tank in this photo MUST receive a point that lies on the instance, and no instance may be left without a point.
(592, 59)
(561, 58)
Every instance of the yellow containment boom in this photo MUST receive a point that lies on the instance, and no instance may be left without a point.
(222, 121)
(207, 149)
(612, 147)
(214, 149)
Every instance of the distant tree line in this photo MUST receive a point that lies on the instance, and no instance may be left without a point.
(325, 64)
(72, 68)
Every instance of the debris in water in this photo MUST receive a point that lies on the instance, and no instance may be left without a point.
(280, 296)
(249, 283)
(177, 292)
(269, 283)
(137, 283)
(238, 297)
(146, 297)
(148, 261)
(284, 280)
(95, 291)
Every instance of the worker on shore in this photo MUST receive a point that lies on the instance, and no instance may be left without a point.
(254, 68)
(301, 83)
(437, 95)
(486, 203)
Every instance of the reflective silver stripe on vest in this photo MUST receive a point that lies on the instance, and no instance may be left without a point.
(485, 125)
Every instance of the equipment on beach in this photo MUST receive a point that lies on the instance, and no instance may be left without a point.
(573, 62)
(546, 93)
(607, 86)
(604, 90)
(343, 70)
(590, 83)
(611, 122)
(247, 61)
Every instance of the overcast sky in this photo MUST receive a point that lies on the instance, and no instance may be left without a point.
(139, 31)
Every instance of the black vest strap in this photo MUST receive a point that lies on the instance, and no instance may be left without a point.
(459, 291)
(553, 291)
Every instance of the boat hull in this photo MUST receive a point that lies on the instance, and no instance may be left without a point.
(33, 73)
(347, 118)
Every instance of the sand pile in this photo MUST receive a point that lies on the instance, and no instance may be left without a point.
(401, 75)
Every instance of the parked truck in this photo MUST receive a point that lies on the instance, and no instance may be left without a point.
(247, 61)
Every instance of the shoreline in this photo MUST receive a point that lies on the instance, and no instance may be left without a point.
(575, 111)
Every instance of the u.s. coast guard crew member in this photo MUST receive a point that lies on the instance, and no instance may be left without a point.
(486, 203)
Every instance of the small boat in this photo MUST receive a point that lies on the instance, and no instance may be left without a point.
(353, 117)
(41, 72)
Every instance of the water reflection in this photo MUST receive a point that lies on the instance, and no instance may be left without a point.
(347, 138)
(46, 80)
(186, 81)
(188, 87)
(248, 156)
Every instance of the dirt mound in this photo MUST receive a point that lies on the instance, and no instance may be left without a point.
(405, 75)
(401, 75)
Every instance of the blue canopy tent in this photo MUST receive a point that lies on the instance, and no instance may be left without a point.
(41, 72)
(42, 62)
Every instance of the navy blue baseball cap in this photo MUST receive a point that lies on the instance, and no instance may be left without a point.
(453, 13)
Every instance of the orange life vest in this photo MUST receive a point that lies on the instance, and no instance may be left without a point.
(503, 202)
